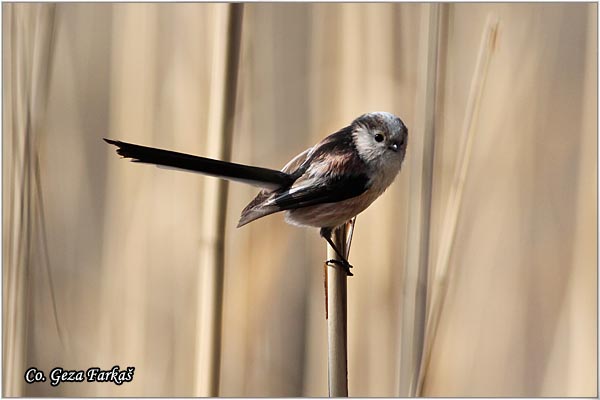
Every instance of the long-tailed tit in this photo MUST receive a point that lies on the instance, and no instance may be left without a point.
(324, 186)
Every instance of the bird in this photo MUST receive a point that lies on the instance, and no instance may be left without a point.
(323, 187)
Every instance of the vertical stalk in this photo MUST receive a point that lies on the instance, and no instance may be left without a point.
(448, 230)
(13, 224)
(337, 313)
(28, 40)
(212, 252)
(421, 177)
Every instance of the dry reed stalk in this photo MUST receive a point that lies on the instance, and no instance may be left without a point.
(14, 275)
(453, 207)
(421, 176)
(29, 38)
(337, 312)
(212, 252)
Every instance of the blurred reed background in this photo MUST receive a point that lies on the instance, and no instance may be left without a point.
(119, 247)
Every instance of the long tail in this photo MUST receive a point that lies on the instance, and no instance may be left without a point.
(261, 177)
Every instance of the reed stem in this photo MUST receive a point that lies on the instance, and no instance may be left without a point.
(337, 312)
(212, 262)
(453, 208)
(421, 184)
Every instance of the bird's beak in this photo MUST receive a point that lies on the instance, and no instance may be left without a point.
(394, 147)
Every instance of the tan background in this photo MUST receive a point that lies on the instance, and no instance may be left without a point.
(122, 242)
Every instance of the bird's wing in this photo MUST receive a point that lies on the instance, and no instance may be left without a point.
(306, 194)
(312, 191)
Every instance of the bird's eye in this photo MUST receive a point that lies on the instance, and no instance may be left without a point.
(379, 137)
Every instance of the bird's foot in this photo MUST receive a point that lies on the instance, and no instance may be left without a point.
(342, 263)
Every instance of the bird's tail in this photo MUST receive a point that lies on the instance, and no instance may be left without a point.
(261, 177)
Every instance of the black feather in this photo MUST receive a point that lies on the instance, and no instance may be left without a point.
(334, 190)
(258, 176)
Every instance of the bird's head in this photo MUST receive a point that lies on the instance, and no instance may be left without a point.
(380, 139)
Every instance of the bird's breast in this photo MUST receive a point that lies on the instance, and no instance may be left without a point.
(331, 214)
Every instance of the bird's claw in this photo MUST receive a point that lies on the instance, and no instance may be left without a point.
(342, 263)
